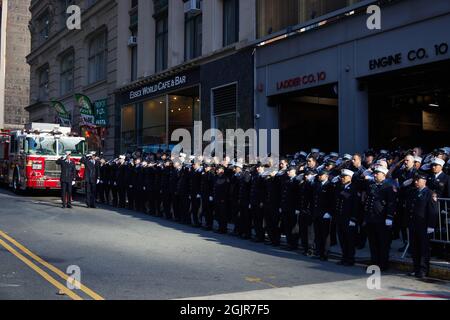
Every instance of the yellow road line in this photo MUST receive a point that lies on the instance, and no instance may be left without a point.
(63, 275)
(41, 272)
(259, 280)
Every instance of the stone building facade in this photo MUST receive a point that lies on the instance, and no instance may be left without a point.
(66, 62)
(14, 72)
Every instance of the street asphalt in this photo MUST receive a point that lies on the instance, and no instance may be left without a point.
(128, 255)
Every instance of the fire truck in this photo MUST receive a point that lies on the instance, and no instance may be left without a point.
(28, 157)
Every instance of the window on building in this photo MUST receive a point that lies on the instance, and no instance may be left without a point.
(230, 22)
(67, 73)
(193, 34)
(275, 15)
(44, 26)
(134, 25)
(134, 56)
(225, 111)
(154, 123)
(43, 75)
(97, 58)
(225, 107)
(128, 128)
(64, 4)
(162, 39)
(90, 3)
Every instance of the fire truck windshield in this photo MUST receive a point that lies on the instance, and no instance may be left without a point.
(77, 146)
(51, 146)
(40, 146)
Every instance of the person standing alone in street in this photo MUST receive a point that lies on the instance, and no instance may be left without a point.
(67, 179)
(91, 178)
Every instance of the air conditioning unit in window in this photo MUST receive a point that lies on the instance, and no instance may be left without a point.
(132, 41)
(192, 7)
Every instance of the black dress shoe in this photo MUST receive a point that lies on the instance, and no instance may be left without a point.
(324, 258)
(341, 263)
(69, 206)
(63, 206)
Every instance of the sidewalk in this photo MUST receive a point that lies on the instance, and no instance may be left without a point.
(440, 269)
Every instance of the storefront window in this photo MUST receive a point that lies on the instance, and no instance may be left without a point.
(275, 15)
(128, 128)
(154, 124)
(181, 112)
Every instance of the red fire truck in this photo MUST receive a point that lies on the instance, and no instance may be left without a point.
(28, 157)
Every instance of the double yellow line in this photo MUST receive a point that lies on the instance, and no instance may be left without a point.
(62, 288)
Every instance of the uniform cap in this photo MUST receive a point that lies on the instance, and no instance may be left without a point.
(421, 175)
(438, 161)
(347, 156)
(418, 159)
(334, 154)
(381, 169)
(239, 165)
(324, 172)
(347, 173)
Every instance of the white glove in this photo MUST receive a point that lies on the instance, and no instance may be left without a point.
(352, 224)
(280, 210)
(327, 216)
(130, 186)
(261, 205)
(430, 230)
(408, 182)
(297, 212)
(199, 196)
(143, 188)
(249, 206)
(73, 183)
(98, 181)
(115, 184)
(211, 199)
(388, 223)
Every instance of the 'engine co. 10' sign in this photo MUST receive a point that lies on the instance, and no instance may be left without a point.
(412, 56)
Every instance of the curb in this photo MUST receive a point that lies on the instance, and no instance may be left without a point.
(436, 272)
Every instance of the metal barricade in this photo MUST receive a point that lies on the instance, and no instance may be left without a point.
(442, 234)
